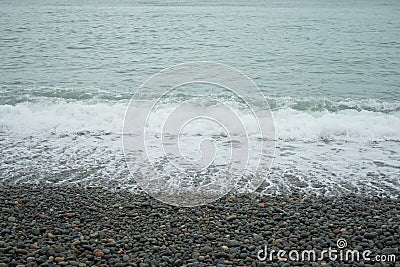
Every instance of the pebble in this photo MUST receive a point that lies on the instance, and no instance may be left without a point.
(35, 231)
(228, 232)
(233, 243)
(59, 259)
(231, 218)
(21, 251)
(125, 258)
(336, 231)
(221, 254)
(370, 235)
(305, 234)
(206, 249)
(99, 254)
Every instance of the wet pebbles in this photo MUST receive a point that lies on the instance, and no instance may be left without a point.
(74, 226)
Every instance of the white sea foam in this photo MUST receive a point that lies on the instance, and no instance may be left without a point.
(70, 117)
(321, 152)
(351, 125)
(62, 117)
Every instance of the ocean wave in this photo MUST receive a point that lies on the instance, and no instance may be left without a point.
(92, 95)
(30, 118)
(324, 104)
(345, 125)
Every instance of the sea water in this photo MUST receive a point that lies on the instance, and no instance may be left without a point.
(329, 70)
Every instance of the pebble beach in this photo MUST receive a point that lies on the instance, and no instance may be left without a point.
(80, 226)
(102, 101)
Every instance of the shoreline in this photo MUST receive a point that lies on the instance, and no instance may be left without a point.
(76, 226)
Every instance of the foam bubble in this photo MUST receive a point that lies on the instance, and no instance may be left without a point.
(30, 118)
(62, 117)
(348, 124)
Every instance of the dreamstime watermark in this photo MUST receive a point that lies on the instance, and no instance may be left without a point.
(341, 254)
(195, 131)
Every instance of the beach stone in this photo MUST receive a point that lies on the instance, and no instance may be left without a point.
(21, 251)
(221, 254)
(305, 234)
(206, 249)
(258, 238)
(370, 235)
(336, 231)
(99, 254)
(251, 248)
(231, 218)
(125, 258)
(30, 259)
(35, 231)
(233, 243)
(243, 255)
(21, 245)
(133, 237)
(11, 219)
(5, 231)
(388, 251)
(59, 259)
(154, 262)
(178, 262)
(210, 236)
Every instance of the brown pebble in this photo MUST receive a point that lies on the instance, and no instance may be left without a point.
(21, 251)
(261, 205)
(31, 259)
(99, 253)
(77, 242)
(59, 259)
(314, 231)
(336, 231)
(69, 214)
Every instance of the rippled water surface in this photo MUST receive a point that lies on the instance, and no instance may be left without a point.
(330, 71)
